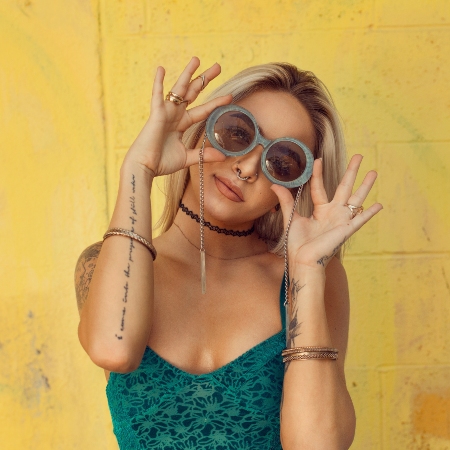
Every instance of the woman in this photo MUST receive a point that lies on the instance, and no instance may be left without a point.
(202, 368)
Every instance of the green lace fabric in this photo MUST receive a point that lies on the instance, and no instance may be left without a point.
(237, 406)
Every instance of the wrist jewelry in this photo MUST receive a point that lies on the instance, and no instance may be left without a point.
(132, 235)
(310, 355)
(310, 352)
(289, 351)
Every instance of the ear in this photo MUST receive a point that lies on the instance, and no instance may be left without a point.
(275, 209)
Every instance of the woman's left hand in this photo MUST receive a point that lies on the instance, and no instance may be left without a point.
(315, 240)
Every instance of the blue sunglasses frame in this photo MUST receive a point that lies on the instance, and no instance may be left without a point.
(259, 140)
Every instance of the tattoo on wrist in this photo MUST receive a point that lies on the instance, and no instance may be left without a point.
(294, 324)
(127, 271)
(325, 258)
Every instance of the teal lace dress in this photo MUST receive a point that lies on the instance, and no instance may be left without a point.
(159, 406)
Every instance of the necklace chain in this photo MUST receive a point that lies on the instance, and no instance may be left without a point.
(215, 228)
(217, 257)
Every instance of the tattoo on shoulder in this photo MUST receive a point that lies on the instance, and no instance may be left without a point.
(84, 271)
(294, 324)
(322, 261)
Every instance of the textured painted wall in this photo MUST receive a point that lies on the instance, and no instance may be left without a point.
(386, 64)
(52, 203)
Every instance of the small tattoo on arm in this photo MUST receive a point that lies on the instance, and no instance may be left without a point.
(294, 324)
(133, 205)
(325, 258)
(84, 271)
(127, 271)
(122, 324)
(131, 249)
(125, 297)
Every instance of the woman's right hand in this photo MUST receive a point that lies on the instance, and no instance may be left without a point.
(158, 147)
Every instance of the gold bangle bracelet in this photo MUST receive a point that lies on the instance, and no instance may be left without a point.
(290, 351)
(132, 235)
(311, 355)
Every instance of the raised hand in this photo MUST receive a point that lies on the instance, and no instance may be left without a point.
(158, 146)
(315, 240)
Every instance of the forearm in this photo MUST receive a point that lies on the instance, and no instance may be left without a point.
(116, 318)
(316, 411)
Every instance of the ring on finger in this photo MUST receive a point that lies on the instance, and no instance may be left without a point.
(202, 77)
(355, 210)
(175, 98)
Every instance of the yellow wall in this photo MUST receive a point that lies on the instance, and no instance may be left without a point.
(75, 80)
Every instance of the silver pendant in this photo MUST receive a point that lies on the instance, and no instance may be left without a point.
(203, 270)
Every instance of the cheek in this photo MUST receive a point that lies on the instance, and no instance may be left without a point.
(267, 197)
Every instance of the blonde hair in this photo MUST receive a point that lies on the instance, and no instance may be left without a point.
(329, 141)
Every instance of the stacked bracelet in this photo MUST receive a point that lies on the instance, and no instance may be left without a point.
(299, 353)
(132, 235)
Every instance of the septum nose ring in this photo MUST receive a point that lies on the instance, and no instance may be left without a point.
(238, 174)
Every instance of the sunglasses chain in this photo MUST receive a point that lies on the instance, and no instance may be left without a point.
(202, 218)
(286, 261)
(202, 235)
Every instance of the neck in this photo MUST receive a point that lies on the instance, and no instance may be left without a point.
(218, 245)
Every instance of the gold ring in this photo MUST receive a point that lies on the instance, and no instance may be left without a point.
(202, 77)
(355, 210)
(175, 98)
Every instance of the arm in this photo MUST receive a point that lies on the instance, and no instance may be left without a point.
(320, 414)
(316, 411)
(116, 318)
(117, 297)
(83, 272)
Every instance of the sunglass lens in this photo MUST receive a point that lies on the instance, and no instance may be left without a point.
(285, 161)
(234, 131)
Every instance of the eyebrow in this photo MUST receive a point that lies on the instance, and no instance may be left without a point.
(246, 119)
(249, 122)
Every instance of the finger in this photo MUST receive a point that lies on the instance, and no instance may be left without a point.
(197, 85)
(357, 199)
(210, 155)
(201, 112)
(182, 84)
(157, 91)
(358, 221)
(285, 199)
(343, 232)
(345, 188)
(318, 193)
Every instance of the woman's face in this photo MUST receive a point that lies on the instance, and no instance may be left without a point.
(278, 114)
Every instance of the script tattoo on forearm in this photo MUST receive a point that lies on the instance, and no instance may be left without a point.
(294, 324)
(127, 271)
(322, 261)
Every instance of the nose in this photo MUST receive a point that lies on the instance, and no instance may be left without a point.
(247, 167)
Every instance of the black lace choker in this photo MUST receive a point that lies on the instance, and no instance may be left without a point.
(214, 227)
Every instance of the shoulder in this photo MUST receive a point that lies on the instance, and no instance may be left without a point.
(84, 270)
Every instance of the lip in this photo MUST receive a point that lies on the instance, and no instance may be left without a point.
(229, 189)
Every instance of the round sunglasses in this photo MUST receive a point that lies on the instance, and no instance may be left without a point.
(232, 130)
